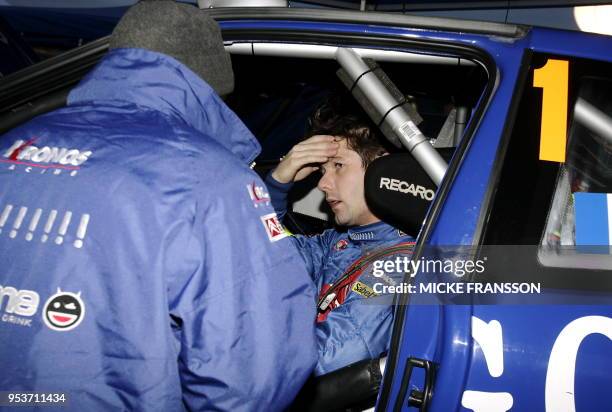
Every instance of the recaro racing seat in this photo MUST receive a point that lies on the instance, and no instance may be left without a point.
(399, 191)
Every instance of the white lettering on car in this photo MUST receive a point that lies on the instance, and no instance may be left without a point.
(490, 339)
(487, 401)
(561, 373)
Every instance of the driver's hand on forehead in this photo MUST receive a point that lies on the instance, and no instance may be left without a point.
(305, 158)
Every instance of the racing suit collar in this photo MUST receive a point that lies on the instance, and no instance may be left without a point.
(373, 232)
(159, 82)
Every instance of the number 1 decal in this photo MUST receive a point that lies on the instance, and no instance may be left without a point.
(553, 79)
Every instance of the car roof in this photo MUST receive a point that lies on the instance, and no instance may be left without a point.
(389, 19)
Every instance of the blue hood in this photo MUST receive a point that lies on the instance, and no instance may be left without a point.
(158, 82)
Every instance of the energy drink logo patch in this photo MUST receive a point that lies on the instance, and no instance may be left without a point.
(274, 228)
(19, 305)
(64, 311)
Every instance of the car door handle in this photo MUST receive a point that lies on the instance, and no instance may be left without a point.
(416, 398)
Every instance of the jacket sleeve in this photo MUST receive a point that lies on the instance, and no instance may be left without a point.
(244, 313)
(278, 194)
(312, 249)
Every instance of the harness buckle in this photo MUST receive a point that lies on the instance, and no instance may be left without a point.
(326, 302)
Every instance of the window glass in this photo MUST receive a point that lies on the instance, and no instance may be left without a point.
(558, 207)
(578, 228)
(588, 168)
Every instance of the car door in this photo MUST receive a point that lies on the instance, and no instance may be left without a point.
(551, 351)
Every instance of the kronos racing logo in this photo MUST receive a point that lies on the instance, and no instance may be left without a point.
(23, 150)
(404, 187)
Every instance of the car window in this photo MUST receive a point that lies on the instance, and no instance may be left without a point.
(577, 232)
(274, 96)
(547, 193)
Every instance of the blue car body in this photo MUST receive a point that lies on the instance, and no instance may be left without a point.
(529, 331)
(530, 373)
(69, 23)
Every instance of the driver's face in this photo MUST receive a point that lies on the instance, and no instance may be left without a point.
(342, 183)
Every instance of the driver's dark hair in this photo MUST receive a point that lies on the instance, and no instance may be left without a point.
(339, 115)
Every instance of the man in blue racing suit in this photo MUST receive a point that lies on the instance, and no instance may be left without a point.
(130, 278)
(354, 322)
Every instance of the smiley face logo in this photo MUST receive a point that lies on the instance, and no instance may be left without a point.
(64, 311)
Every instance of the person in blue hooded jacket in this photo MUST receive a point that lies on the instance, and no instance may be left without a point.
(354, 321)
(143, 267)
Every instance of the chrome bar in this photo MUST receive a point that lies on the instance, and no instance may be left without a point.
(396, 117)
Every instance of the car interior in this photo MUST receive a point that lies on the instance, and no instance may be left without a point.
(278, 85)
(440, 95)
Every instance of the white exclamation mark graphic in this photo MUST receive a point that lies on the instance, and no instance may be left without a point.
(49, 225)
(5, 215)
(63, 228)
(81, 231)
(33, 224)
(18, 221)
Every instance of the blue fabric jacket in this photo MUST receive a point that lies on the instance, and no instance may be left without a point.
(141, 264)
(360, 326)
